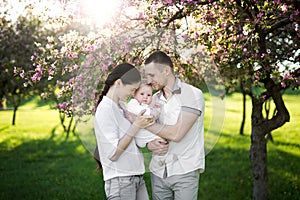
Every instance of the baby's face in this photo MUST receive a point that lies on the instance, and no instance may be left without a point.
(144, 94)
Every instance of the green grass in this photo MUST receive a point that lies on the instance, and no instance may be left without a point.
(37, 162)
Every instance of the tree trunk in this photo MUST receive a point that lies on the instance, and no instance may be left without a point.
(62, 117)
(3, 104)
(14, 115)
(244, 114)
(258, 152)
(269, 136)
(258, 156)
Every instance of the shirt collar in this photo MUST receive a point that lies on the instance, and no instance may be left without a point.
(176, 88)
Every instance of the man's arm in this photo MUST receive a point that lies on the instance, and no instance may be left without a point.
(177, 131)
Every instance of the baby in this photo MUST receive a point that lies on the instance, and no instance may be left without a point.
(143, 101)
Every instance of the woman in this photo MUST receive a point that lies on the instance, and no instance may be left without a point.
(121, 159)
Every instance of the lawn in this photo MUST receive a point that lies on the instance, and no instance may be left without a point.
(38, 163)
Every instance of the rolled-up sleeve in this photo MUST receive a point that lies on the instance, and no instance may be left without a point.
(192, 100)
(106, 131)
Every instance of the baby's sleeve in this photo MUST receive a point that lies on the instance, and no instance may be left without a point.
(134, 107)
(143, 137)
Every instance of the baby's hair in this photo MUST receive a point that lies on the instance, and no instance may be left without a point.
(143, 83)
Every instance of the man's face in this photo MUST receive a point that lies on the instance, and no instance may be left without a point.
(156, 75)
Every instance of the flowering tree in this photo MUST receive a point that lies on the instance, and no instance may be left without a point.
(252, 43)
(17, 37)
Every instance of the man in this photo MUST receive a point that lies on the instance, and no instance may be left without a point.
(175, 175)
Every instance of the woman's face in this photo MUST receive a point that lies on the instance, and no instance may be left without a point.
(127, 90)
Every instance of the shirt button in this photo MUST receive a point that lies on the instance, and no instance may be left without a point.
(161, 163)
(175, 157)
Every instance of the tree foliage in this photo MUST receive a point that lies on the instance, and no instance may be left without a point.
(17, 38)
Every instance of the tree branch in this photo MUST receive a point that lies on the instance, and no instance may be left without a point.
(277, 25)
(282, 116)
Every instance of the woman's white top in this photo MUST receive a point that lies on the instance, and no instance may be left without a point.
(110, 126)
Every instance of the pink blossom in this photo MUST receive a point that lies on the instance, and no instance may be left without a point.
(284, 7)
(277, 1)
(39, 70)
(91, 48)
(224, 26)
(259, 15)
(79, 77)
(50, 72)
(184, 36)
(287, 76)
(22, 74)
(168, 2)
(74, 55)
(283, 84)
(76, 67)
(256, 76)
(34, 77)
(263, 55)
(62, 106)
(15, 70)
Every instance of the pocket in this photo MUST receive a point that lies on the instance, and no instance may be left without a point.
(112, 188)
(125, 181)
(107, 187)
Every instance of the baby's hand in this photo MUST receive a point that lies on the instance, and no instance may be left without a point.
(157, 105)
(155, 113)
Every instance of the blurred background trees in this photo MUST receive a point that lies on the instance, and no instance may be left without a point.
(249, 46)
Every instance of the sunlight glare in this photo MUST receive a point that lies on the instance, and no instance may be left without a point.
(100, 11)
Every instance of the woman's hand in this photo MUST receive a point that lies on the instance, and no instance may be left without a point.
(142, 121)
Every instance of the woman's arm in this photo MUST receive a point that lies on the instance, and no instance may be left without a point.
(125, 141)
(139, 123)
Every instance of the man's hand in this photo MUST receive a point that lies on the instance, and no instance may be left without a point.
(158, 146)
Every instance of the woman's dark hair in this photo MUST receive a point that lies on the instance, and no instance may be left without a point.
(126, 72)
(97, 159)
(160, 58)
(128, 75)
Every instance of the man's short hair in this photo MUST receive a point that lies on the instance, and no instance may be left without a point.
(159, 57)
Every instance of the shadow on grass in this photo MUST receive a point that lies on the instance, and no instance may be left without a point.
(228, 175)
(47, 169)
(3, 128)
(287, 144)
(50, 169)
